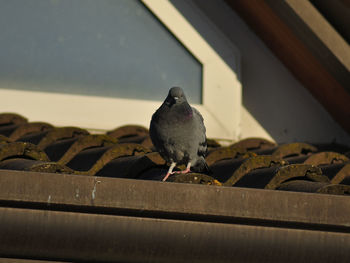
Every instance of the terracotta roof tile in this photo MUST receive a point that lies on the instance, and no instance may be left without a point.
(257, 144)
(34, 166)
(57, 134)
(11, 119)
(30, 128)
(127, 152)
(22, 149)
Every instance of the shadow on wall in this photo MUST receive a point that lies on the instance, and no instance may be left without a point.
(271, 94)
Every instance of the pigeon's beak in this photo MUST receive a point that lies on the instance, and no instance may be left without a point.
(172, 100)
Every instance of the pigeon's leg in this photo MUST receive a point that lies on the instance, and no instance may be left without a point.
(188, 169)
(170, 171)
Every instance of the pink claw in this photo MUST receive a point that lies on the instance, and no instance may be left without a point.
(167, 175)
(187, 170)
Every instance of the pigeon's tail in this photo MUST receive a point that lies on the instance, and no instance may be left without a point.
(201, 167)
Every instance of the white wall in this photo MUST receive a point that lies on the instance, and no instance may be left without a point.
(271, 94)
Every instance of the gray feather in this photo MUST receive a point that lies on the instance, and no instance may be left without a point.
(178, 133)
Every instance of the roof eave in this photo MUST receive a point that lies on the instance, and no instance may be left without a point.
(317, 56)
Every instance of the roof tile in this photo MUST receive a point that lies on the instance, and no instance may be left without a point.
(127, 152)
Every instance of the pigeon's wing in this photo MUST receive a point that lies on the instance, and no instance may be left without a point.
(200, 133)
(155, 131)
(200, 165)
(158, 136)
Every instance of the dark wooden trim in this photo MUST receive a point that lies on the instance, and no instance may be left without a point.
(297, 57)
(320, 38)
(204, 203)
(76, 218)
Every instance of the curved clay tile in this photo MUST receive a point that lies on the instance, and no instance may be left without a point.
(329, 162)
(252, 144)
(212, 143)
(128, 131)
(336, 189)
(91, 161)
(297, 171)
(157, 170)
(326, 158)
(154, 173)
(9, 122)
(122, 167)
(257, 178)
(331, 170)
(133, 139)
(27, 150)
(257, 162)
(222, 170)
(132, 166)
(4, 139)
(343, 176)
(223, 153)
(294, 149)
(85, 159)
(34, 137)
(296, 158)
(116, 151)
(27, 128)
(34, 166)
(95, 140)
(12, 118)
(59, 134)
(147, 142)
(57, 149)
(194, 178)
(302, 186)
(315, 187)
(155, 158)
(6, 130)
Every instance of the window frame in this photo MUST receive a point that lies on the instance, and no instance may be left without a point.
(221, 101)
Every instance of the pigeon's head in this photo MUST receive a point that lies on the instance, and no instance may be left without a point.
(175, 96)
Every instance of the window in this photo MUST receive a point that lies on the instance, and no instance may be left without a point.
(101, 48)
(75, 63)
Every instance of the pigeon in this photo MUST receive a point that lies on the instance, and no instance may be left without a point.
(177, 132)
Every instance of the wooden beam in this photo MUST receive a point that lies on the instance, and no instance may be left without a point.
(321, 28)
(297, 57)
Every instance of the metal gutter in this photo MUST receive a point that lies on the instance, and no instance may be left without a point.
(84, 218)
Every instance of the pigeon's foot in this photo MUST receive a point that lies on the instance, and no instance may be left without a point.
(187, 170)
(170, 171)
(167, 175)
